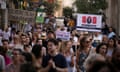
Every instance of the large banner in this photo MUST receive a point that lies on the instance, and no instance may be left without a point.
(65, 36)
(21, 15)
(89, 22)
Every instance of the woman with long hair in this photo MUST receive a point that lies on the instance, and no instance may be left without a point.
(111, 47)
(83, 52)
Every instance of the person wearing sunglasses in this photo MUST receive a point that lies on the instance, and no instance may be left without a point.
(83, 52)
(16, 61)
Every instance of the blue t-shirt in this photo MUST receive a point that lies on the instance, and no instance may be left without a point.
(110, 35)
(59, 60)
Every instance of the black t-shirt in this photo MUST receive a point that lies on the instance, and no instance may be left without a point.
(59, 60)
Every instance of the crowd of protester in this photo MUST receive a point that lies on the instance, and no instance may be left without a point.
(38, 50)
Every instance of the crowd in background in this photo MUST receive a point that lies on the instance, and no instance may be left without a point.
(36, 49)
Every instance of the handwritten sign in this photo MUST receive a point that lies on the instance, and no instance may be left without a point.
(63, 35)
(21, 15)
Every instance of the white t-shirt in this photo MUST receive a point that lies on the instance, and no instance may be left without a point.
(6, 35)
(97, 38)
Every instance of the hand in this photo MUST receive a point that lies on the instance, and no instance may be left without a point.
(53, 65)
(50, 63)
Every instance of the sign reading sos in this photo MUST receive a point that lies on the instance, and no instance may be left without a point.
(89, 22)
(89, 19)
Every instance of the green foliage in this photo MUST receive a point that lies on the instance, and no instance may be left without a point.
(90, 6)
(67, 11)
(50, 7)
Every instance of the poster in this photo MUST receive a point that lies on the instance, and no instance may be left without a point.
(40, 17)
(63, 35)
(21, 15)
(89, 22)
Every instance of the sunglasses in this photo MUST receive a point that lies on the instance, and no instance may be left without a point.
(87, 41)
(15, 53)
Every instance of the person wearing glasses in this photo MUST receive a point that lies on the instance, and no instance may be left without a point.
(83, 52)
(16, 61)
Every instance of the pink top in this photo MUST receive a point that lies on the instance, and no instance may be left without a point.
(7, 60)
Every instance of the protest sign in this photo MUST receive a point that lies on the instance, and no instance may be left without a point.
(21, 15)
(89, 22)
(65, 36)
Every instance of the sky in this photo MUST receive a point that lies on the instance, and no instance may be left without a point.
(68, 3)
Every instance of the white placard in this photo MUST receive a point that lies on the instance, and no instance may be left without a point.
(89, 22)
(63, 35)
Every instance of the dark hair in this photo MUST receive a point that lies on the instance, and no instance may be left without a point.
(50, 32)
(23, 35)
(113, 41)
(115, 50)
(20, 51)
(36, 50)
(2, 51)
(97, 65)
(5, 40)
(54, 41)
(17, 32)
(115, 60)
(28, 67)
(26, 46)
(59, 40)
(28, 57)
(38, 40)
(99, 46)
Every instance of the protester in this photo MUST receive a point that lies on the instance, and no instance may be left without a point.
(54, 61)
(111, 46)
(101, 66)
(37, 52)
(91, 59)
(105, 39)
(116, 59)
(83, 52)
(16, 62)
(16, 43)
(2, 64)
(3, 52)
(29, 65)
(102, 49)
(97, 39)
(111, 33)
(27, 48)
(69, 55)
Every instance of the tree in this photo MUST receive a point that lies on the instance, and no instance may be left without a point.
(67, 11)
(90, 6)
(50, 7)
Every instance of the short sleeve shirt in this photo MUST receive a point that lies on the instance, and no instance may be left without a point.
(59, 60)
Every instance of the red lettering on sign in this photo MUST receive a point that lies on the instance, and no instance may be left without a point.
(84, 19)
(94, 20)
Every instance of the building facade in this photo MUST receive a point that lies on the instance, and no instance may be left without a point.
(113, 14)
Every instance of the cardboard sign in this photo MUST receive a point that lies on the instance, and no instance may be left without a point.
(21, 15)
(89, 22)
(65, 36)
